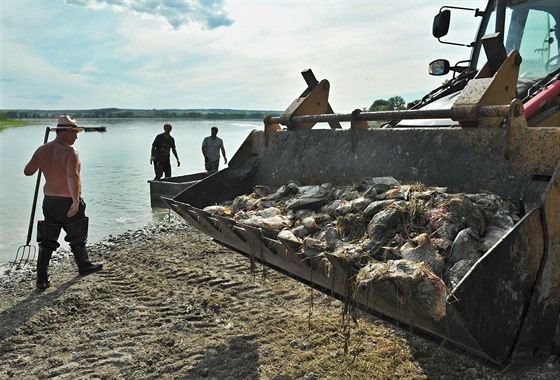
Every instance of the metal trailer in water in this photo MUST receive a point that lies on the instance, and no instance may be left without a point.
(171, 186)
(484, 130)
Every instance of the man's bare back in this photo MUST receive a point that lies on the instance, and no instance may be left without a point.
(60, 164)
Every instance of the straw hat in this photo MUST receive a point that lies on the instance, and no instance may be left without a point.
(68, 122)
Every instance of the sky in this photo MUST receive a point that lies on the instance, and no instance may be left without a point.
(233, 54)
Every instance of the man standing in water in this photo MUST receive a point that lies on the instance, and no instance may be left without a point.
(63, 207)
(211, 146)
(160, 155)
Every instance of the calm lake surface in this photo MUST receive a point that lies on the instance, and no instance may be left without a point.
(115, 171)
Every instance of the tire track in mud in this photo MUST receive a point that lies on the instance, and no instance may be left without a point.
(141, 312)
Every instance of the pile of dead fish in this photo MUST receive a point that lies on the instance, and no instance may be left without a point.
(420, 239)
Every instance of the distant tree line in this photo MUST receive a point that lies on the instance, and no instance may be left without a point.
(391, 104)
(109, 113)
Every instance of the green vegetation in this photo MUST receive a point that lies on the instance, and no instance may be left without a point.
(396, 103)
(9, 123)
(391, 104)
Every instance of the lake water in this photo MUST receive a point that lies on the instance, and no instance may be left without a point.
(115, 171)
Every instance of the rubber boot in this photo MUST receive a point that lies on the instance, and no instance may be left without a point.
(43, 260)
(47, 235)
(85, 266)
(76, 235)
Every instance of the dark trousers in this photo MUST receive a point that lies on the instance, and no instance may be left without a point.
(54, 211)
(212, 166)
(161, 167)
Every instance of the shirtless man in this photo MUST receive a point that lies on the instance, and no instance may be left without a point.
(63, 207)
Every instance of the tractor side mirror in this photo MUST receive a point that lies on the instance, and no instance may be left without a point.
(441, 23)
(439, 67)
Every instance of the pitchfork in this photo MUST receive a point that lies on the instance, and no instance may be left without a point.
(27, 252)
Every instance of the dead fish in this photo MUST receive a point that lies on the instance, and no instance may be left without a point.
(306, 203)
(428, 193)
(437, 216)
(401, 279)
(371, 245)
(456, 273)
(497, 211)
(360, 204)
(310, 197)
(417, 248)
(268, 212)
(314, 244)
(322, 219)
(315, 191)
(391, 253)
(332, 237)
(466, 211)
(370, 273)
(380, 184)
(431, 294)
(421, 249)
(301, 214)
(218, 210)
(312, 248)
(491, 237)
(289, 240)
(344, 207)
(384, 221)
(310, 223)
(444, 228)
(376, 206)
(262, 191)
(284, 191)
(446, 233)
(266, 203)
(244, 202)
(240, 215)
(301, 231)
(346, 257)
(342, 192)
(397, 192)
(465, 246)
(370, 193)
(417, 279)
(442, 244)
(286, 234)
(351, 195)
(274, 223)
(501, 220)
(330, 208)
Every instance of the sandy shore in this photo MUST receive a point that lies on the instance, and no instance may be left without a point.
(172, 304)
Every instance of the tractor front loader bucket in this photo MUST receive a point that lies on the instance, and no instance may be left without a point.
(506, 308)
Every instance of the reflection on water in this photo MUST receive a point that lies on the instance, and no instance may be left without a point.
(115, 171)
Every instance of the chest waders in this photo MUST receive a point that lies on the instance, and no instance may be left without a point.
(76, 236)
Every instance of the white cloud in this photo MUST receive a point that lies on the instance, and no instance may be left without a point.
(208, 13)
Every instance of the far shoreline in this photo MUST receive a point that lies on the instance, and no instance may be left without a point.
(13, 123)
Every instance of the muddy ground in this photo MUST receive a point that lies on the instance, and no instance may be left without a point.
(172, 304)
